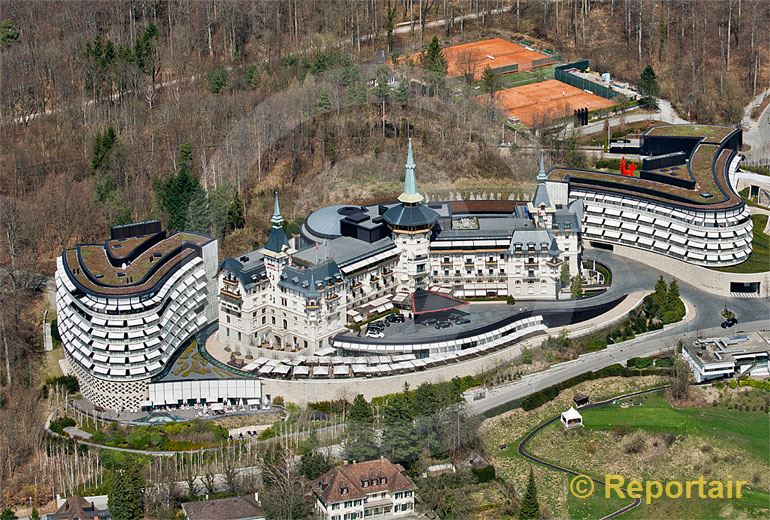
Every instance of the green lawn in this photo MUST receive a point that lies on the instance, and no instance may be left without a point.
(517, 79)
(759, 260)
(747, 430)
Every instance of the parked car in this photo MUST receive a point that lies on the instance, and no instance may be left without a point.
(374, 333)
(462, 321)
(430, 321)
(443, 325)
(395, 318)
(727, 324)
(378, 325)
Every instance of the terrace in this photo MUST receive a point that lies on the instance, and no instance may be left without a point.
(712, 188)
(710, 133)
(90, 266)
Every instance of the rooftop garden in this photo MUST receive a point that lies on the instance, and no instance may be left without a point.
(710, 132)
(95, 259)
(759, 260)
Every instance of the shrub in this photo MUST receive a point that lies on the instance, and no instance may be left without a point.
(59, 424)
(669, 438)
(635, 444)
(485, 474)
(69, 383)
(278, 400)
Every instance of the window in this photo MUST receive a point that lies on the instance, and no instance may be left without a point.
(335, 506)
(239, 335)
(228, 318)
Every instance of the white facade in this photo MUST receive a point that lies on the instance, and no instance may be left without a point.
(116, 342)
(706, 238)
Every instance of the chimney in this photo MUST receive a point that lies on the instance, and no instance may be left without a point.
(345, 462)
(206, 497)
(256, 497)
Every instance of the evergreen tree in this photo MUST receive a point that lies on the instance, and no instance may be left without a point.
(564, 276)
(433, 58)
(400, 441)
(426, 400)
(648, 83)
(235, 218)
(217, 79)
(324, 102)
(389, 25)
(577, 286)
(350, 75)
(181, 196)
(530, 508)
(102, 148)
(660, 297)
(358, 95)
(8, 514)
(8, 32)
(35, 514)
(313, 464)
(360, 437)
(402, 93)
(490, 81)
(382, 88)
(125, 497)
(251, 76)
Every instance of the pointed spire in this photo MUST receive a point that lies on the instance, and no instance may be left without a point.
(410, 194)
(277, 219)
(541, 176)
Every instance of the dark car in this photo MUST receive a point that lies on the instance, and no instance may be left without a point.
(726, 324)
(462, 321)
(732, 321)
(395, 318)
(443, 325)
(453, 316)
(430, 321)
(379, 325)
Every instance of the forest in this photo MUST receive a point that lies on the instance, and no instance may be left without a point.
(195, 111)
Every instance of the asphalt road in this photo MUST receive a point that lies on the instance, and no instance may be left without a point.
(646, 345)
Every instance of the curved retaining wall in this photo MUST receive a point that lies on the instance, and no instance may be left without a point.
(714, 282)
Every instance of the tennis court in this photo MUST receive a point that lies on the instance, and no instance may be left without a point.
(537, 103)
(501, 55)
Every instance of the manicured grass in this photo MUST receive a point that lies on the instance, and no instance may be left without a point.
(693, 131)
(517, 79)
(753, 504)
(759, 260)
(747, 430)
(595, 506)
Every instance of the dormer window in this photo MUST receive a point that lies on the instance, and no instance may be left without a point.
(383, 480)
(364, 483)
(344, 491)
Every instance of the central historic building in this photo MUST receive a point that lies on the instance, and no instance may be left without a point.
(350, 262)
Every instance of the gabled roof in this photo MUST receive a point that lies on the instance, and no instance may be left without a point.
(541, 196)
(78, 508)
(230, 508)
(346, 482)
(277, 241)
(541, 238)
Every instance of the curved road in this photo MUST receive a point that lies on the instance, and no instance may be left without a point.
(522, 448)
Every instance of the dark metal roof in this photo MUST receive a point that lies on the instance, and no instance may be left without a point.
(276, 240)
(310, 281)
(246, 268)
(410, 216)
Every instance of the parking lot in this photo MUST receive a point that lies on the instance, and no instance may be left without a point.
(424, 326)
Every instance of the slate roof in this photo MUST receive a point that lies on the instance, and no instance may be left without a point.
(380, 475)
(230, 508)
(309, 281)
(343, 250)
(277, 240)
(78, 508)
(538, 237)
(541, 196)
(246, 268)
(410, 216)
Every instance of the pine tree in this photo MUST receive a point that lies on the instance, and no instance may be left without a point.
(402, 92)
(181, 196)
(7, 514)
(489, 81)
(400, 441)
(360, 437)
(530, 508)
(235, 218)
(324, 102)
(313, 464)
(577, 286)
(217, 79)
(433, 58)
(125, 497)
(251, 76)
(35, 514)
(564, 276)
(648, 83)
(102, 148)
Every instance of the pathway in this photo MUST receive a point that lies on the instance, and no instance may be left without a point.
(757, 133)
(522, 448)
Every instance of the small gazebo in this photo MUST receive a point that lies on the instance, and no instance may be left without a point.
(571, 418)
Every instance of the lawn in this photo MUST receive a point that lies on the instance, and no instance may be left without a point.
(517, 79)
(747, 430)
(713, 441)
(759, 260)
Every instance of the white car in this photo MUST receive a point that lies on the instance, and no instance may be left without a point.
(376, 334)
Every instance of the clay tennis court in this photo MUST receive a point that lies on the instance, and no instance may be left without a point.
(538, 102)
(495, 52)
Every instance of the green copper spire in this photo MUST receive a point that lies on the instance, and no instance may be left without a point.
(277, 219)
(541, 176)
(410, 195)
